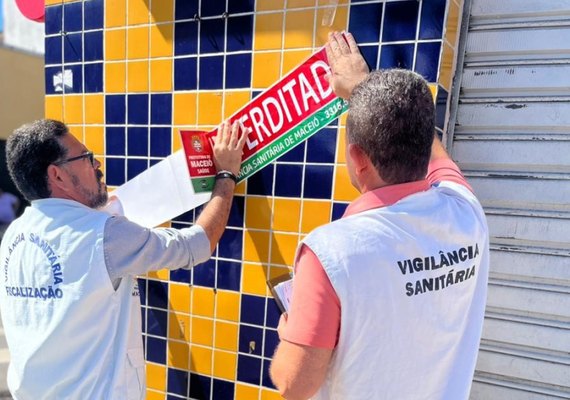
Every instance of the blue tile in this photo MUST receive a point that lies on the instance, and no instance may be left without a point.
(266, 379)
(431, 20)
(237, 212)
(199, 386)
(156, 350)
(156, 321)
(261, 182)
(137, 141)
(152, 162)
(160, 142)
(93, 78)
(321, 147)
(250, 339)
(142, 291)
(115, 141)
(137, 109)
(231, 244)
(157, 294)
(53, 50)
(114, 171)
(73, 17)
(212, 8)
(222, 390)
(440, 107)
(77, 73)
(273, 314)
(400, 21)
(161, 109)
(53, 19)
(397, 56)
(240, 33)
(238, 71)
(204, 274)
(212, 35)
(178, 382)
(93, 14)
(338, 210)
(241, 6)
(185, 38)
(249, 369)
(370, 54)
(72, 47)
(180, 275)
(93, 43)
(211, 72)
(296, 154)
(185, 74)
(318, 182)
(252, 309)
(143, 324)
(271, 342)
(365, 21)
(135, 167)
(115, 109)
(427, 60)
(186, 217)
(229, 275)
(290, 179)
(50, 74)
(186, 9)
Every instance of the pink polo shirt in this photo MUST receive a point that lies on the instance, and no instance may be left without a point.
(314, 315)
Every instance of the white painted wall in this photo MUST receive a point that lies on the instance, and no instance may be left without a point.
(21, 33)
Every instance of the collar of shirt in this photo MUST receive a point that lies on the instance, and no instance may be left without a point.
(385, 196)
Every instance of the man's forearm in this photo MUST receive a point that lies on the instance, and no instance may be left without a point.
(438, 152)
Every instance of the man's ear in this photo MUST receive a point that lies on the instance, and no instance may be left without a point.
(58, 179)
(360, 160)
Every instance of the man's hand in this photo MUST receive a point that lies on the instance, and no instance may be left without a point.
(347, 64)
(228, 149)
(282, 325)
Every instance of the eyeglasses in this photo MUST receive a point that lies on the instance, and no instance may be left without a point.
(87, 154)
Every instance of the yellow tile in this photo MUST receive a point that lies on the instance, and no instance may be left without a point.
(233, 101)
(244, 392)
(209, 108)
(342, 119)
(299, 28)
(275, 272)
(283, 248)
(95, 139)
(341, 146)
(176, 140)
(161, 39)
(225, 365)
(185, 108)
(268, 31)
(201, 360)
(161, 11)
(94, 109)
(115, 13)
(179, 297)
(115, 44)
(76, 131)
(227, 307)
(256, 246)
(292, 58)
(179, 326)
(162, 274)
(73, 109)
(343, 189)
(240, 188)
(328, 2)
(152, 395)
(266, 68)
(156, 376)
(254, 279)
(202, 331)
(286, 215)
(267, 394)
(315, 213)
(433, 90)
(178, 353)
(340, 23)
(115, 77)
(138, 12)
(226, 336)
(54, 107)
(161, 75)
(268, 5)
(258, 212)
(300, 3)
(446, 67)
(203, 301)
(137, 42)
(452, 23)
(137, 76)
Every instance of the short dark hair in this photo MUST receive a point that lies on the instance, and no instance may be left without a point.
(392, 118)
(29, 152)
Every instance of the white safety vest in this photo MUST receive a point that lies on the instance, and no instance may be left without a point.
(71, 335)
(412, 282)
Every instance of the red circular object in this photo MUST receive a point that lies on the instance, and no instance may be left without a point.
(32, 9)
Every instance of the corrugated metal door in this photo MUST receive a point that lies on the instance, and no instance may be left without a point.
(512, 139)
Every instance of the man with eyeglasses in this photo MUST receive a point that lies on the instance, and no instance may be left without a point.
(69, 301)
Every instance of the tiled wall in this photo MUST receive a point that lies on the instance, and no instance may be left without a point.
(140, 70)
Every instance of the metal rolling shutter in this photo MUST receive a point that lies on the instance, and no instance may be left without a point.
(512, 139)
